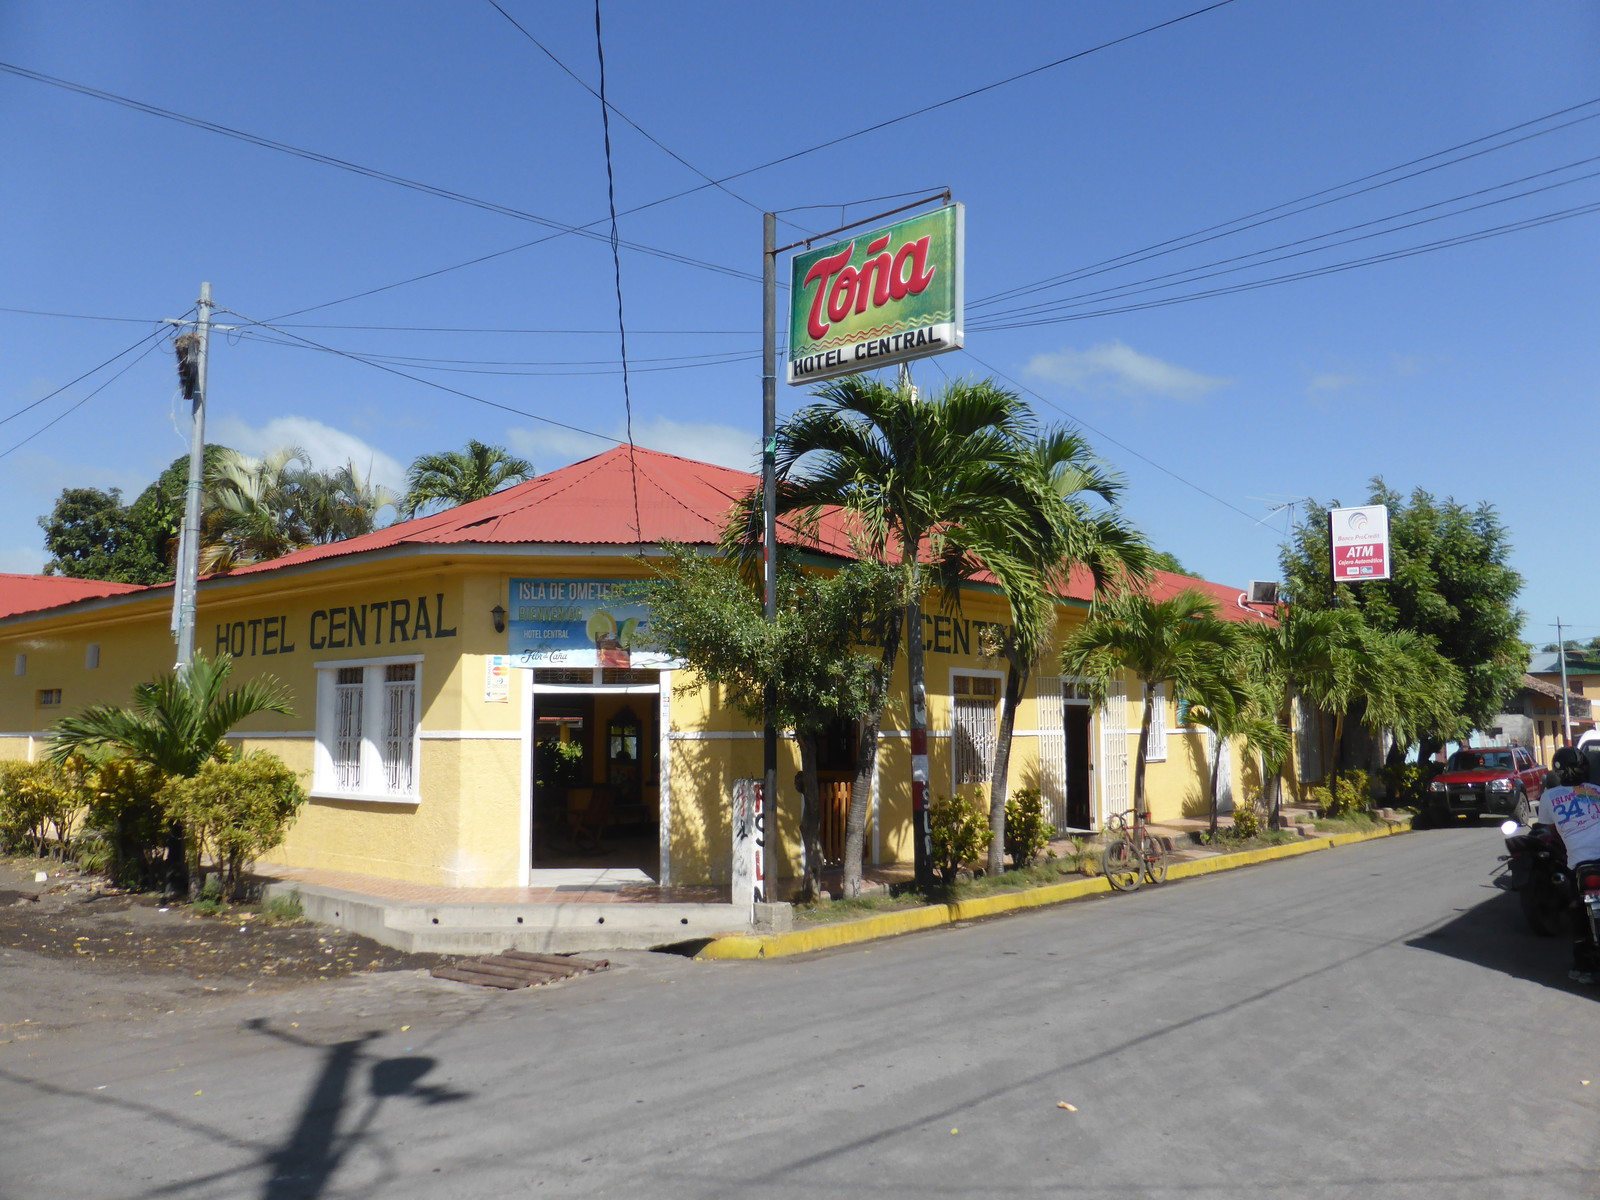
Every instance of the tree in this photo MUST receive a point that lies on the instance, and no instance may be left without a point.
(454, 477)
(175, 724)
(1239, 704)
(1306, 652)
(91, 534)
(1451, 583)
(910, 473)
(1165, 560)
(1034, 574)
(1180, 642)
(263, 508)
(808, 664)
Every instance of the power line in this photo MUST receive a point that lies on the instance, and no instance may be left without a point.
(719, 360)
(368, 172)
(874, 128)
(1017, 383)
(1190, 240)
(604, 437)
(38, 312)
(616, 265)
(1203, 271)
(157, 332)
(1312, 273)
(641, 130)
(155, 341)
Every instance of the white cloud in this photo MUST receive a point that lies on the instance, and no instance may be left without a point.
(1114, 368)
(1328, 381)
(327, 447)
(550, 447)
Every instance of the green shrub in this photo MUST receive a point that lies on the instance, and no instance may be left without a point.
(40, 804)
(235, 811)
(961, 833)
(1027, 832)
(1407, 785)
(1246, 818)
(127, 819)
(1354, 794)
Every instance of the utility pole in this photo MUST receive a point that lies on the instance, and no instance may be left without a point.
(1566, 707)
(191, 348)
(769, 519)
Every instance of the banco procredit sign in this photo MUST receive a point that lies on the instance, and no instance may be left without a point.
(1358, 541)
(879, 298)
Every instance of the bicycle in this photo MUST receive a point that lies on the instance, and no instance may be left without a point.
(1134, 856)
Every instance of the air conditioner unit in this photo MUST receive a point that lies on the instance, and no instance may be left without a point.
(1263, 591)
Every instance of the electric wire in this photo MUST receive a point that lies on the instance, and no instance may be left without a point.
(39, 312)
(1077, 420)
(154, 333)
(1203, 271)
(798, 154)
(1311, 273)
(1199, 237)
(604, 437)
(155, 341)
(719, 360)
(616, 265)
(641, 130)
(342, 164)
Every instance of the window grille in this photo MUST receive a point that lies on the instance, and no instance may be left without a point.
(399, 726)
(974, 726)
(1157, 751)
(367, 723)
(570, 676)
(348, 690)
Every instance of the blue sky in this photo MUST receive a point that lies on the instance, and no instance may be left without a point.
(1467, 371)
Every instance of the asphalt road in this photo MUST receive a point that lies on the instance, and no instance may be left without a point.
(1368, 1022)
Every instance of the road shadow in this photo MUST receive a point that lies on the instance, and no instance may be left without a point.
(324, 1136)
(1494, 934)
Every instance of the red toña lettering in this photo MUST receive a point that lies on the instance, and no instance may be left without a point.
(843, 289)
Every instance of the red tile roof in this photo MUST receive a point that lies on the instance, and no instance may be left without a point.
(27, 593)
(593, 503)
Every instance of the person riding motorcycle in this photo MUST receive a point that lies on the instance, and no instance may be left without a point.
(1570, 805)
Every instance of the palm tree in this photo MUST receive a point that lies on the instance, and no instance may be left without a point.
(1034, 574)
(912, 473)
(1180, 642)
(1307, 653)
(454, 477)
(253, 508)
(176, 723)
(342, 504)
(1237, 704)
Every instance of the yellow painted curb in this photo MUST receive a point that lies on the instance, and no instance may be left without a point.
(910, 920)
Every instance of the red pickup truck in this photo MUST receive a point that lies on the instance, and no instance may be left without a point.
(1504, 780)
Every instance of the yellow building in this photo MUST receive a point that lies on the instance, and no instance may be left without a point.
(439, 665)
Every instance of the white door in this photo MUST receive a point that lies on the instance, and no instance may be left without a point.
(1052, 750)
(1113, 765)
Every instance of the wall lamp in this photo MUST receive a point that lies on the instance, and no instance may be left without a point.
(499, 615)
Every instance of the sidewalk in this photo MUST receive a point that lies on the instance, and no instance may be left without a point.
(584, 909)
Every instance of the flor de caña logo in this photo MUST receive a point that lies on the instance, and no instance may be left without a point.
(879, 298)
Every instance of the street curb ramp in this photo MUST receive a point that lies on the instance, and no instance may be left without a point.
(911, 920)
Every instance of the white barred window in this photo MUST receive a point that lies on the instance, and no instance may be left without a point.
(367, 729)
(1158, 725)
(973, 726)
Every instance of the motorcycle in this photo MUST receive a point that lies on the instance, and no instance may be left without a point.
(1535, 867)
(1586, 876)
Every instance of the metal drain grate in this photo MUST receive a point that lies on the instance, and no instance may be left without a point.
(512, 969)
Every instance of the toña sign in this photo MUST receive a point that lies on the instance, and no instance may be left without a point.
(1358, 543)
(883, 297)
